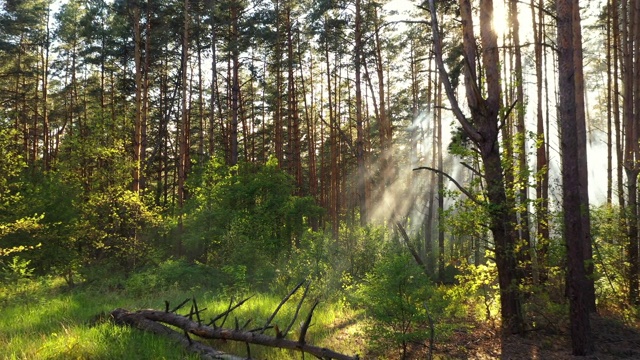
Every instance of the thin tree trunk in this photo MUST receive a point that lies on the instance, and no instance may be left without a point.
(292, 106)
(185, 129)
(137, 136)
(360, 156)
(522, 175)
(235, 86)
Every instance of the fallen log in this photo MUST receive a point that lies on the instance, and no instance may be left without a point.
(144, 319)
(154, 320)
(122, 316)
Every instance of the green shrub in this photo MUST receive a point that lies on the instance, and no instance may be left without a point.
(245, 215)
(332, 265)
(476, 293)
(15, 270)
(398, 299)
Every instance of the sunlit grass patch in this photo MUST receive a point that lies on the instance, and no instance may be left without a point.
(53, 323)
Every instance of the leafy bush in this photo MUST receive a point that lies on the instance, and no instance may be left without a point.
(477, 292)
(610, 242)
(244, 215)
(396, 295)
(15, 270)
(111, 232)
(332, 264)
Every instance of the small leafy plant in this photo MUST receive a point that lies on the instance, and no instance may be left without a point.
(396, 295)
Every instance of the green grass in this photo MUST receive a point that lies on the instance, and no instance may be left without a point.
(44, 320)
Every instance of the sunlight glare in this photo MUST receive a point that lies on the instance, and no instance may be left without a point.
(500, 19)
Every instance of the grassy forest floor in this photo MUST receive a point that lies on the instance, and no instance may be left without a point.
(46, 320)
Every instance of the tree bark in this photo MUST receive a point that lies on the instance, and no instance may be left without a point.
(574, 232)
(581, 133)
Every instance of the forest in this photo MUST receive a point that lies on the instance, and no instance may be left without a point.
(373, 179)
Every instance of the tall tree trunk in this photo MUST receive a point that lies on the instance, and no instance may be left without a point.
(581, 133)
(201, 115)
(185, 128)
(46, 150)
(440, 179)
(575, 234)
(278, 124)
(609, 45)
(631, 151)
(137, 133)
(311, 130)
(617, 60)
(215, 98)
(292, 106)
(483, 131)
(383, 119)
(235, 86)
(522, 173)
(360, 156)
(542, 165)
(634, 246)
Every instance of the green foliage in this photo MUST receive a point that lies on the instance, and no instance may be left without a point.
(112, 231)
(396, 295)
(53, 198)
(477, 292)
(465, 223)
(17, 221)
(15, 270)
(610, 243)
(334, 266)
(245, 215)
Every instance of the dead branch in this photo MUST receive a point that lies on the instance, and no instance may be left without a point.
(122, 316)
(295, 316)
(284, 300)
(454, 181)
(413, 251)
(141, 320)
(307, 323)
(227, 312)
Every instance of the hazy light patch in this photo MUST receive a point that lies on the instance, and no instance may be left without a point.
(405, 197)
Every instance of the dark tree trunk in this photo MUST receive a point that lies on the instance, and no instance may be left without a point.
(483, 131)
(575, 234)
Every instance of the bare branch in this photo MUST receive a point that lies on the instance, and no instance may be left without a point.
(413, 251)
(471, 131)
(473, 170)
(295, 316)
(122, 316)
(229, 310)
(456, 183)
(284, 300)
